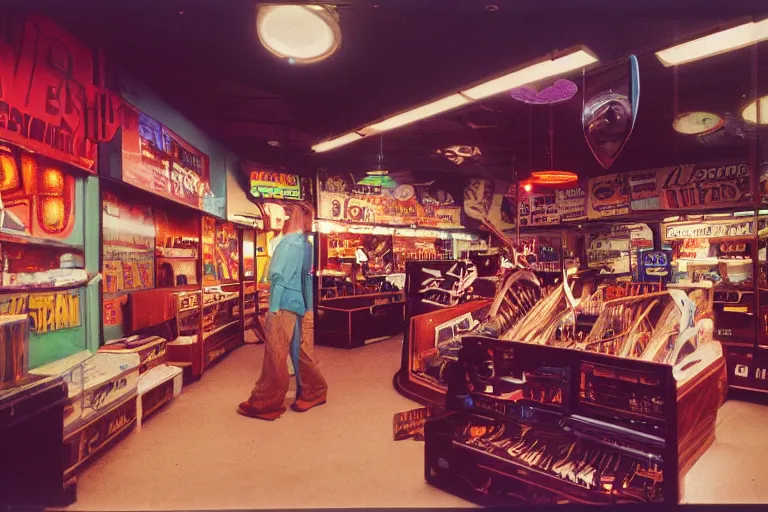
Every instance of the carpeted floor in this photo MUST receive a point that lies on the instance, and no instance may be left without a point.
(198, 453)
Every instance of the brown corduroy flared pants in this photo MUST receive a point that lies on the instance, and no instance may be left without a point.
(272, 386)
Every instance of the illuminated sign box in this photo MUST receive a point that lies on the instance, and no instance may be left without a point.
(275, 185)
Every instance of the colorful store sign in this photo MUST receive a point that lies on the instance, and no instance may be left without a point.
(346, 200)
(45, 75)
(608, 196)
(49, 312)
(275, 185)
(710, 229)
(687, 187)
(159, 161)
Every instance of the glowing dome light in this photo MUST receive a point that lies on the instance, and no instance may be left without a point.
(303, 34)
(750, 112)
(697, 123)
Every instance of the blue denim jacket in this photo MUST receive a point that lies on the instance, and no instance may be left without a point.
(290, 275)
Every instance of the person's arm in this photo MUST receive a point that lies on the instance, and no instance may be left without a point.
(285, 262)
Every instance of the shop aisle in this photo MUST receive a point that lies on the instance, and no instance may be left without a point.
(200, 454)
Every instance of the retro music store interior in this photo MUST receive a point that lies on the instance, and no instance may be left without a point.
(539, 238)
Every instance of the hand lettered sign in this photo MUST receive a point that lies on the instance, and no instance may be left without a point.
(688, 186)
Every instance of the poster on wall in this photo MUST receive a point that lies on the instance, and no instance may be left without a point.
(381, 200)
(128, 245)
(208, 242)
(572, 204)
(643, 190)
(544, 210)
(227, 252)
(608, 196)
(159, 161)
(44, 76)
(692, 187)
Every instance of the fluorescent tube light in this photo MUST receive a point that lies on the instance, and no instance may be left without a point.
(338, 141)
(714, 44)
(750, 111)
(548, 68)
(563, 63)
(417, 114)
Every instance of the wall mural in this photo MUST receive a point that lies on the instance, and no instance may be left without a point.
(611, 98)
(45, 80)
(382, 200)
(159, 161)
(128, 243)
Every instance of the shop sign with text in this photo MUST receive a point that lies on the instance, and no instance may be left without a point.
(49, 312)
(713, 229)
(692, 187)
(275, 185)
(572, 204)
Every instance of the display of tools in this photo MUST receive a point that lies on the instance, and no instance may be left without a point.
(591, 466)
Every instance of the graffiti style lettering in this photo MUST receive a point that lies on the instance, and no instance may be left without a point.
(44, 74)
(48, 312)
(101, 397)
(686, 187)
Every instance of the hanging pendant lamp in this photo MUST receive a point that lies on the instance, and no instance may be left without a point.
(550, 177)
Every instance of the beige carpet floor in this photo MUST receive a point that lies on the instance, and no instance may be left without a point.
(198, 453)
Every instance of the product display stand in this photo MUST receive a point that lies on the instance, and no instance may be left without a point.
(531, 424)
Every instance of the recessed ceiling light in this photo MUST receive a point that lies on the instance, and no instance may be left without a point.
(301, 33)
(274, 143)
(750, 112)
(697, 123)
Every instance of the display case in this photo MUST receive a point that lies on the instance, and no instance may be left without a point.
(444, 301)
(222, 305)
(529, 424)
(248, 281)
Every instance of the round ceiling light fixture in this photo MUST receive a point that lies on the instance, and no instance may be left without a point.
(303, 34)
(697, 123)
(750, 111)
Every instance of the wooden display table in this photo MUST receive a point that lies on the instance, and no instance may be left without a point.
(352, 322)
